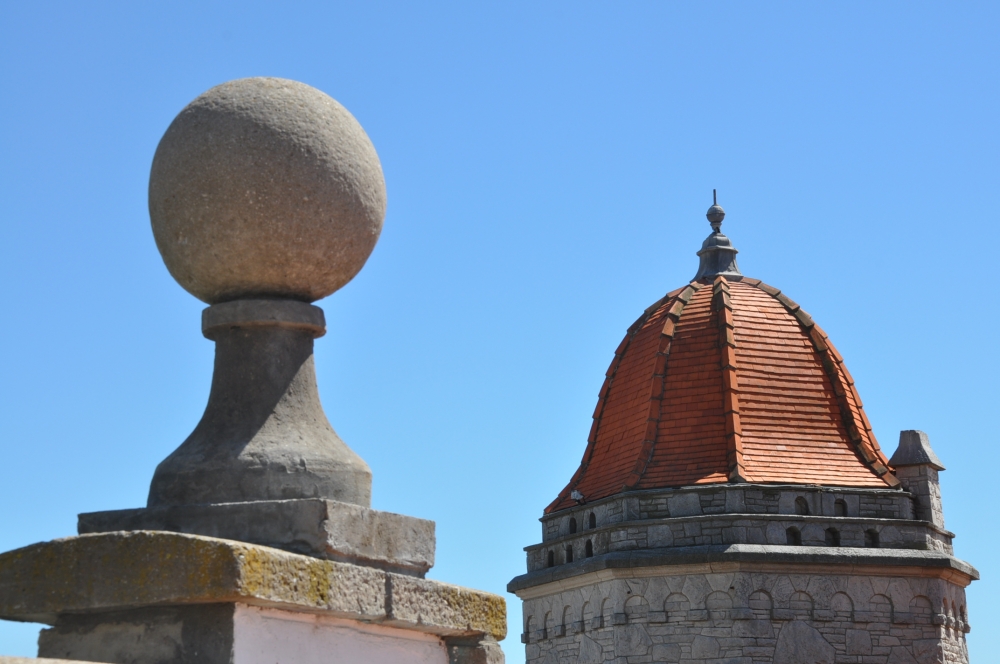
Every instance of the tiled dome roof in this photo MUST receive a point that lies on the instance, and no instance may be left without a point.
(726, 380)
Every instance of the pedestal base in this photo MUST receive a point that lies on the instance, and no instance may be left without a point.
(322, 528)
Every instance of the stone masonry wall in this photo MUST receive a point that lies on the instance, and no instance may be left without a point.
(740, 514)
(732, 499)
(736, 529)
(750, 618)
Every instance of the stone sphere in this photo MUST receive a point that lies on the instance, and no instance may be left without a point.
(265, 188)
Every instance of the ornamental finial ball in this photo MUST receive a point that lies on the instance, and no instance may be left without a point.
(265, 188)
(715, 213)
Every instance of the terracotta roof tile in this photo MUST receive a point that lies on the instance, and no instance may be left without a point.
(726, 381)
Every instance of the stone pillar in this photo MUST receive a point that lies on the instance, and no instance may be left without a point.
(258, 543)
(264, 435)
(917, 466)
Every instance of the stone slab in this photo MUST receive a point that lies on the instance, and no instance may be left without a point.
(325, 529)
(118, 571)
(443, 607)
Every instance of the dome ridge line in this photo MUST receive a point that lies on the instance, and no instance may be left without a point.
(657, 384)
(854, 418)
(722, 304)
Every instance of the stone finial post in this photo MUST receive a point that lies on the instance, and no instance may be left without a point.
(917, 468)
(258, 543)
(265, 195)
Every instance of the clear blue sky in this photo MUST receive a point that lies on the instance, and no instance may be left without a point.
(548, 168)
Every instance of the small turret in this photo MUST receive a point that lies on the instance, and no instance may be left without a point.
(917, 467)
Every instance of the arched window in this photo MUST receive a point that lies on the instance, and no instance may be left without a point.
(801, 506)
(761, 605)
(592, 520)
(840, 508)
(881, 609)
(920, 610)
(718, 605)
(572, 525)
(552, 558)
(801, 606)
(793, 537)
(587, 617)
(566, 628)
(607, 612)
(871, 538)
(676, 607)
(569, 553)
(589, 549)
(842, 607)
(832, 537)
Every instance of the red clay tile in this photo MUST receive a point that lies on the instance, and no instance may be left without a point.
(726, 381)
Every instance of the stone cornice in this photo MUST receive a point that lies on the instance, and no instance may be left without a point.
(743, 557)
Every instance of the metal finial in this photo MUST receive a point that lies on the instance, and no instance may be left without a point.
(717, 255)
(715, 214)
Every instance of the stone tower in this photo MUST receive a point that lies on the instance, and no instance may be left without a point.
(733, 505)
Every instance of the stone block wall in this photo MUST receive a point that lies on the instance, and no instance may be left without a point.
(922, 481)
(738, 529)
(748, 617)
(732, 499)
(742, 514)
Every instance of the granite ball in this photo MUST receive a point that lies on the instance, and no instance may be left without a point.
(265, 188)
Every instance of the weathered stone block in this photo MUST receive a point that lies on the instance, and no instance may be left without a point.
(115, 571)
(753, 628)
(859, 642)
(741, 614)
(323, 528)
(632, 641)
(684, 504)
(444, 608)
(798, 643)
(705, 647)
(474, 651)
(668, 653)
(130, 570)
(590, 651)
